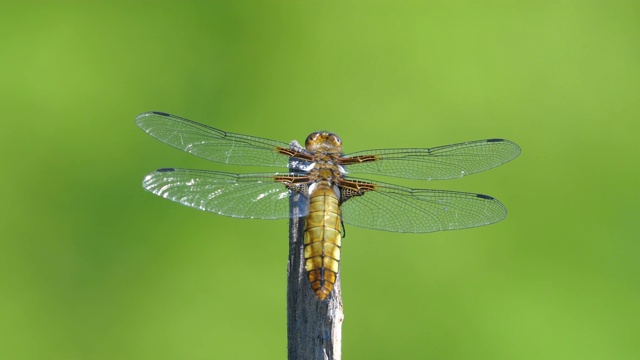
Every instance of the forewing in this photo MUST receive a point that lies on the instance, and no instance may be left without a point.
(395, 208)
(242, 196)
(439, 163)
(213, 144)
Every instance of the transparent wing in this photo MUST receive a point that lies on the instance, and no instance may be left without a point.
(395, 208)
(210, 143)
(439, 163)
(242, 196)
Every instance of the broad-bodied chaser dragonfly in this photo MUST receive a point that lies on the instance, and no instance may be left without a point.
(318, 174)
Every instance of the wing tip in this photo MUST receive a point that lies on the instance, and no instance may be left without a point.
(496, 140)
(149, 181)
(142, 116)
(498, 216)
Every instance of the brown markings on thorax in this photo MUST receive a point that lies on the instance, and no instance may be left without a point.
(357, 159)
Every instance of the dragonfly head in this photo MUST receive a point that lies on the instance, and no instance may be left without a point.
(323, 141)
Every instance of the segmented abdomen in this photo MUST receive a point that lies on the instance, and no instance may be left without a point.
(322, 240)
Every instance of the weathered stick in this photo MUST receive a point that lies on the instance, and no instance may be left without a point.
(314, 327)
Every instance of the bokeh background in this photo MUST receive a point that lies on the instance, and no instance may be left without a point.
(93, 267)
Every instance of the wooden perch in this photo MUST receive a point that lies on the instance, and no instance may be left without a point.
(314, 327)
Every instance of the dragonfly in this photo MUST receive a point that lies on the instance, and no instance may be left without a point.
(318, 174)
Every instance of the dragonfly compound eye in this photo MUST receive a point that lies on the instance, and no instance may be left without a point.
(312, 140)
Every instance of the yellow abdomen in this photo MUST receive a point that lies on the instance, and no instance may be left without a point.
(322, 239)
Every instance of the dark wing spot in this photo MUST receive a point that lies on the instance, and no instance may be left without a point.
(495, 140)
(161, 113)
(166, 170)
(485, 197)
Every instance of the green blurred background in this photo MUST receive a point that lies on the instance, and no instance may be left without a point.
(93, 267)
